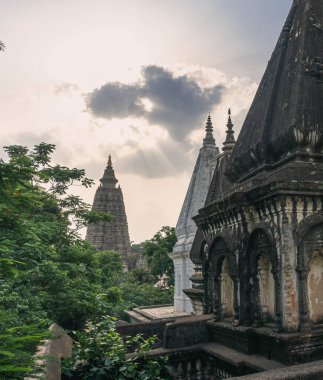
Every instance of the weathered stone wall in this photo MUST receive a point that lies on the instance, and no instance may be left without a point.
(274, 228)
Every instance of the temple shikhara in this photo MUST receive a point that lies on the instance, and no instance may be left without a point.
(257, 243)
(112, 235)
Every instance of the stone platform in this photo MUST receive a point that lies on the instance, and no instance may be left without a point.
(154, 313)
(287, 348)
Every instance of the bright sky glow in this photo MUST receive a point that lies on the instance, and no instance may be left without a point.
(134, 79)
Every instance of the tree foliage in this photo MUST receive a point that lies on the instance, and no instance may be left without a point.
(17, 346)
(101, 353)
(47, 272)
(156, 250)
(39, 227)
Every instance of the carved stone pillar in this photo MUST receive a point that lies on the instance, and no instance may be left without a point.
(278, 320)
(290, 314)
(236, 309)
(303, 299)
(255, 299)
(245, 301)
(217, 299)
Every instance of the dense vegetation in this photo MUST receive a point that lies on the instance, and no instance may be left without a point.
(156, 250)
(47, 272)
(101, 353)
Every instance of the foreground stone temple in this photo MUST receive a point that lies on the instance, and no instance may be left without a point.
(260, 235)
(186, 228)
(112, 235)
(258, 249)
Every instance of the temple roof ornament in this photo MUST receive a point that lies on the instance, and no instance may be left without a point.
(109, 179)
(109, 161)
(209, 139)
(230, 141)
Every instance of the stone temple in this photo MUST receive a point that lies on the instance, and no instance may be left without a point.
(112, 235)
(260, 233)
(186, 228)
(258, 249)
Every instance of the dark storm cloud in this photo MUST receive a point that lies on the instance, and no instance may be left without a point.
(116, 100)
(179, 103)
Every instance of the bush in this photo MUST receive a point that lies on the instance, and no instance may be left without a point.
(100, 353)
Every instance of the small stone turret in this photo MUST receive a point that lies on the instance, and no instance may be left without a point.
(112, 235)
(186, 228)
(230, 141)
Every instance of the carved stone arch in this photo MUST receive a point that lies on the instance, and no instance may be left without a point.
(221, 249)
(195, 254)
(264, 278)
(310, 270)
(260, 240)
(225, 281)
(306, 225)
(227, 235)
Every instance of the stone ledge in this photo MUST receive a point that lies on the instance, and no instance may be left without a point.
(308, 371)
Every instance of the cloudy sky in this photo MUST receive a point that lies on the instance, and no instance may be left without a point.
(134, 79)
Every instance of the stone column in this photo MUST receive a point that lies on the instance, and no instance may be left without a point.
(278, 320)
(236, 316)
(217, 298)
(289, 300)
(256, 310)
(303, 299)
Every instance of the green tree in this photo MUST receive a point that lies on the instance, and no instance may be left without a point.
(101, 353)
(39, 226)
(111, 266)
(17, 344)
(140, 276)
(156, 250)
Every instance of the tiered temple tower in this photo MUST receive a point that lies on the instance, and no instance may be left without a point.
(112, 235)
(186, 228)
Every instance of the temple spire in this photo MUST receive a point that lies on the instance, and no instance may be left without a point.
(109, 179)
(229, 142)
(209, 139)
(109, 162)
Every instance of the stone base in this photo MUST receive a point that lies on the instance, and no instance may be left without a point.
(154, 313)
(282, 347)
(197, 297)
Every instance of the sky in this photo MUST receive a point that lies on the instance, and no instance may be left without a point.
(135, 79)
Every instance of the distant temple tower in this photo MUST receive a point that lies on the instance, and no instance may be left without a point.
(186, 228)
(112, 235)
